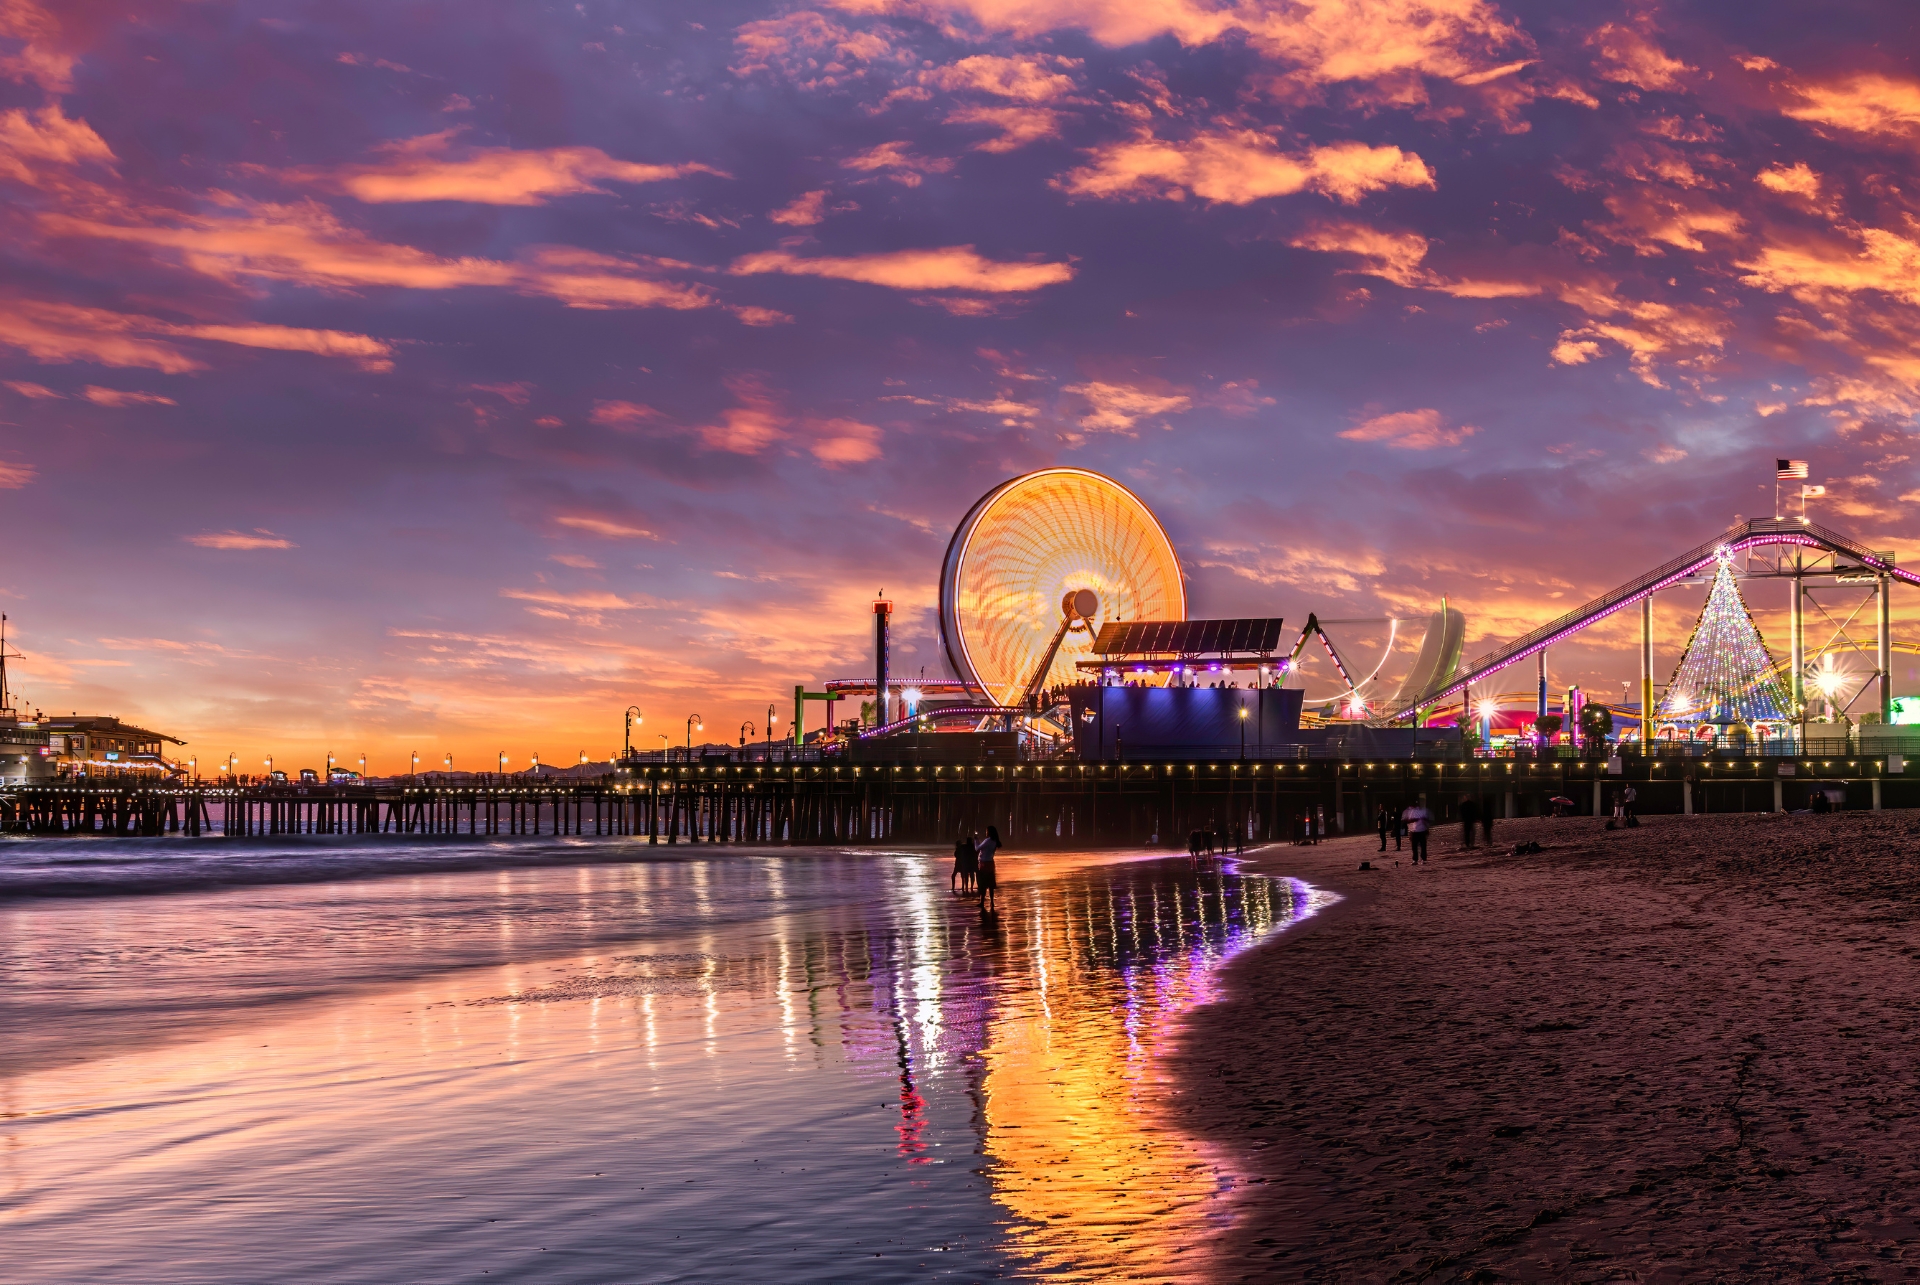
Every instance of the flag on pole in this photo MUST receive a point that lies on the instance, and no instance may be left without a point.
(1788, 470)
(1807, 492)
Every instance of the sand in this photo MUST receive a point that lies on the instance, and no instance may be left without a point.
(1682, 1052)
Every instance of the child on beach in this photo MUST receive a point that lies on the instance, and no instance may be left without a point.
(965, 863)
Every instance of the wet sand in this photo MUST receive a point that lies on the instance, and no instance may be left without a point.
(1682, 1052)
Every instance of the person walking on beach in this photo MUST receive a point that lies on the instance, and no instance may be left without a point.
(1469, 813)
(1381, 823)
(989, 876)
(1416, 820)
(965, 862)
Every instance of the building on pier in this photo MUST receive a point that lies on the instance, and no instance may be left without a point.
(101, 745)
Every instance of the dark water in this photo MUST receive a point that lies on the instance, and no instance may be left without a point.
(746, 1066)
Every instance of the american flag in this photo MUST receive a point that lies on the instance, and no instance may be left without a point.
(1790, 469)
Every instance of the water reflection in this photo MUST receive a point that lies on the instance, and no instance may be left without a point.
(694, 1069)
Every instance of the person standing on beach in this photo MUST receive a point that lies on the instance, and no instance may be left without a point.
(989, 876)
(1416, 820)
(1469, 813)
(965, 862)
(1380, 822)
(1627, 797)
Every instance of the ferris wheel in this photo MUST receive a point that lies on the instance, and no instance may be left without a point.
(1035, 567)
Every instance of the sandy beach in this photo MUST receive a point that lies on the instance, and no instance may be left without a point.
(1682, 1052)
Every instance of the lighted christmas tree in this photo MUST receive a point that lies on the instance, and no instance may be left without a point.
(1726, 675)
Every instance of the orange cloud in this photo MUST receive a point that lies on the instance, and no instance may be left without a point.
(618, 414)
(1116, 408)
(258, 538)
(1630, 57)
(1867, 103)
(1239, 167)
(1028, 78)
(39, 60)
(607, 527)
(1821, 270)
(1411, 430)
(119, 397)
(15, 476)
(35, 391)
(955, 267)
(1651, 221)
(60, 332)
(1393, 256)
(1327, 41)
(1017, 126)
(33, 140)
(811, 50)
(844, 441)
(368, 352)
(904, 167)
(803, 211)
(306, 244)
(1793, 180)
(429, 168)
(749, 428)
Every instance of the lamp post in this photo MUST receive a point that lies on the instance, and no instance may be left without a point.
(633, 717)
(269, 767)
(691, 720)
(503, 763)
(663, 745)
(233, 766)
(193, 767)
(535, 769)
(1243, 731)
(773, 716)
(414, 771)
(745, 727)
(363, 769)
(329, 780)
(449, 762)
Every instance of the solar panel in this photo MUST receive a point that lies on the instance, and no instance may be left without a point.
(1187, 637)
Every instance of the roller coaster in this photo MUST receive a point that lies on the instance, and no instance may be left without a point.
(1801, 551)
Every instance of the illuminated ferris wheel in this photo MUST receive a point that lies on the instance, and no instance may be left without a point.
(1022, 564)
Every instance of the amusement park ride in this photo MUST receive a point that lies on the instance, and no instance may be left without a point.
(1060, 585)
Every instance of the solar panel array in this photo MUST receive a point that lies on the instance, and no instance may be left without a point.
(1186, 637)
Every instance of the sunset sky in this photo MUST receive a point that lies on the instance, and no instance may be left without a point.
(447, 377)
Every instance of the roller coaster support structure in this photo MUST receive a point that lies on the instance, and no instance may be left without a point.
(1795, 537)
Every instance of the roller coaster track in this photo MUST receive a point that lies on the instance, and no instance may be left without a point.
(1758, 533)
(970, 712)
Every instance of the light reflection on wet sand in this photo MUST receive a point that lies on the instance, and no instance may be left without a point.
(738, 1067)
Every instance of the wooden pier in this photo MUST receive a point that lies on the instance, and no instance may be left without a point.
(1033, 804)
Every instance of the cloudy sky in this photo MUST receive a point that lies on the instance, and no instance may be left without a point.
(395, 376)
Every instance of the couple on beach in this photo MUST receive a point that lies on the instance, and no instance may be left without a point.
(973, 868)
(1412, 822)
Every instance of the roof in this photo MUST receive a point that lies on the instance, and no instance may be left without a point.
(105, 725)
(1187, 637)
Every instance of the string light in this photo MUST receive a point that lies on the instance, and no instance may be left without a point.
(1726, 675)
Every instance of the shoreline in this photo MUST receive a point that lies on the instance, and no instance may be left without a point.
(1684, 1051)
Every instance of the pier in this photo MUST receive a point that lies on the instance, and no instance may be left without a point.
(1035, 804)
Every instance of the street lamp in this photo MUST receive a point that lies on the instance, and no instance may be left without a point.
(773, 716)
(449, 762)
(193, 766)
(233, 765)
(663, 745)
(633, 718)
(503, 762)
(744, 728)
(1243, 730)
(536, 763)
(416, 764)
(269, 767)
(329, 767)
(363, 769)
(691, 720)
